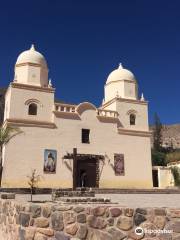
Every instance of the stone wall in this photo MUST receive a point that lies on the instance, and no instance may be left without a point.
(52, 221)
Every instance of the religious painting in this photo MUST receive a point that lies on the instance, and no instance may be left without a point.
(50, 159)
(119, 164)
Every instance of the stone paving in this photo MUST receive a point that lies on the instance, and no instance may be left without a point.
(130, 200)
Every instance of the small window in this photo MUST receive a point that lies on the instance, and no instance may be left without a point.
(32, 109)
(85, 135)
(132, 119)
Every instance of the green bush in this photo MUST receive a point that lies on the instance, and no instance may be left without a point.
(176, 174)
(173, 156)
(158, 158)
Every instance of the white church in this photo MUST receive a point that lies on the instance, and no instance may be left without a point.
(73, 145)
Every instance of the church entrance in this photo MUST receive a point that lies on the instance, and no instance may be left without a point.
(87, 172)
(85, 169)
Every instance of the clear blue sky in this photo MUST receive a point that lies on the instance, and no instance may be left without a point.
(84, 40)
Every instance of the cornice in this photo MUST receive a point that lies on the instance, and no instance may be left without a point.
(122, 80)
(32, 87)
(70, 115)
(134, 132)
(28, 123)
(28, 63)
(65, 104)
(133, 101)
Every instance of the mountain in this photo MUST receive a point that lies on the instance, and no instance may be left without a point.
(171, 135)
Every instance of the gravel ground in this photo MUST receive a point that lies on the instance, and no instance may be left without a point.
(130, 200)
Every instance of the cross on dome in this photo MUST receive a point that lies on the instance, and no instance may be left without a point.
(32, 47)
(120, 66)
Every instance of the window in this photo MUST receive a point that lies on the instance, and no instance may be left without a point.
(132, 119)
(32, 109)
(85, 135)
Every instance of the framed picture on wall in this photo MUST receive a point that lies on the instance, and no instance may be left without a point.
(119, 164)
(50, 159)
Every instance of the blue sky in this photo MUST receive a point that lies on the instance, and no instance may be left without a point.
(83, 41)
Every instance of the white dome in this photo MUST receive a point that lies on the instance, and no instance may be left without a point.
(120, 74)
(31, 56)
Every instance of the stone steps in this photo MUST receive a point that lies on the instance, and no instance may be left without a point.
(83, 200)
(97, 191)
(69, 193)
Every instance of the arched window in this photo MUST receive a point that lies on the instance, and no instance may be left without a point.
(32, 109)
(132, 119)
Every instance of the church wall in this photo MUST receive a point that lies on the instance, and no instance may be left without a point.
(34, 75)
(19, 106)
(125, 108)
(31, 74)
(21, 73)
(54, 132)
(114, 89)
(26, 152)
(7, 103)
(130, 90)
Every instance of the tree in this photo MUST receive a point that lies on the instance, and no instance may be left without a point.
(157, 134)
(176, 174)
(6, 134)
(33, 181)
(158, 158)
(158, 152)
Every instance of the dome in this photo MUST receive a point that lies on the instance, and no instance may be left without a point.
(120, 74)
(32, 56)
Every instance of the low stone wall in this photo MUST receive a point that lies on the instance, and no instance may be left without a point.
(52, 221)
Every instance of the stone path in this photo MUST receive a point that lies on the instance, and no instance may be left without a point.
(130, 200)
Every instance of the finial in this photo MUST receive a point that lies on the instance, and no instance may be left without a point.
(32, 47)
(142, 97)
(120, 66)
(50, 83)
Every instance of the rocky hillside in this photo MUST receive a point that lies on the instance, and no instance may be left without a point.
(2, 93)
(171, 135)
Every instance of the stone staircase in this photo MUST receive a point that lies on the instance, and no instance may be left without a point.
(80, 195)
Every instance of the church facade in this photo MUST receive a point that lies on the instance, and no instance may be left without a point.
(75, 145)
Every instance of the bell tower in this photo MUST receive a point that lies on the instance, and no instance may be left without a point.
(30, 97)
(121, 95)
(121, 83)
(31, 68)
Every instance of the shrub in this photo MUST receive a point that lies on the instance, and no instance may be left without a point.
(173, 156)
(176, 174)
(158, 158)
